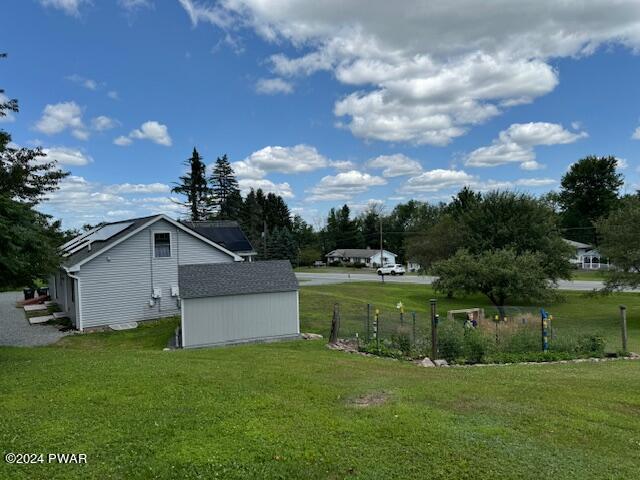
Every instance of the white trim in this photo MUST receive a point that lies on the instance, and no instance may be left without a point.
(298, 309)
(76, 267)
(78, 300)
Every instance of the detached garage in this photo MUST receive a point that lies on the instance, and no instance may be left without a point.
(228, 303)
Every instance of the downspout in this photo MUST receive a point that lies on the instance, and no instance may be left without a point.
(78, 297)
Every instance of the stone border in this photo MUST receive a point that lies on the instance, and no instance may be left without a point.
(351, 347)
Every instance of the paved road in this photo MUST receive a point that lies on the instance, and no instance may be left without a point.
(310, 279)
(15, 330)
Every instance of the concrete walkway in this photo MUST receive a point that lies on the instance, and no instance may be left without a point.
(15, 329)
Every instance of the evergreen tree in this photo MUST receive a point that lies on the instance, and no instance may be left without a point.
(282, 246)
(251, 219)
(226, 198)
(194, 186)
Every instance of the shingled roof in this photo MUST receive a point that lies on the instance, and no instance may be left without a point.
(236, 278)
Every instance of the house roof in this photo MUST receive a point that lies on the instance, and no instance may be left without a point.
(223, 232)
(90, 244)
(575, 244)
(98, 245)
(236, 278)
(356, 252)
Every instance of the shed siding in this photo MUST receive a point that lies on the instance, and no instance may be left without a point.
(117, 285)
(239, 318)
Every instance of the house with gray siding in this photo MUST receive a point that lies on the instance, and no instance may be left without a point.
(128, 271)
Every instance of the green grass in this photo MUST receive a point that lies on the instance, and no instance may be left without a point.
(290, 409)
(596, 275)
(578, 313)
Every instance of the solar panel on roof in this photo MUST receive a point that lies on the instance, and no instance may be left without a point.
(107, 231)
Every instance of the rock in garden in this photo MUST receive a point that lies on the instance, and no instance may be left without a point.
(426, 362)
(440, 363)
(311, 336)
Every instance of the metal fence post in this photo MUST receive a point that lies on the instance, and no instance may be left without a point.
(434, 330)
(623, 326)
(413, 316)
(368, 321)
(376, 329)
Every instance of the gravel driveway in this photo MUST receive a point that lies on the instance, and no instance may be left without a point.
(15, 329)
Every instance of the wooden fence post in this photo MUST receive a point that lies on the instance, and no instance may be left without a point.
(335, 324)
(413, 315)
(623, 326)
(368, 322)
(434, 330)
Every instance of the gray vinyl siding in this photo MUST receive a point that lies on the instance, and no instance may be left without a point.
(117, 285)
(232, 319)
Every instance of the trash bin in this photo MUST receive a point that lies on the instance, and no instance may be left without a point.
(28, 293)
(43, 291)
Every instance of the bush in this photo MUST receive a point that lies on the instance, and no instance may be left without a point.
(591, 344)
(450, 341)
(508, 357)
(475, 345)
(403, 342)
(523, 340)
(385, 349)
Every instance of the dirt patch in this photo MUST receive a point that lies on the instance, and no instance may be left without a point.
(370, 400)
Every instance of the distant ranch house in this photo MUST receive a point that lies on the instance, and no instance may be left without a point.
(586, 257)
(127, 271)
(366, 256)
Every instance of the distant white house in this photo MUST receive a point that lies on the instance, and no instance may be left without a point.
(586, 257)
(413, 266)
(366, 256)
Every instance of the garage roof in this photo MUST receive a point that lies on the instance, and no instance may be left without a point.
(236, 278)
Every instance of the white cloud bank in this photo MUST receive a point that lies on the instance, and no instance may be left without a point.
(395, 165)
(273, 86)
(429, 76)
(516, 145)
(297, 159)
(59, 117)
(343, 186)
(151, 130)
(67, 156)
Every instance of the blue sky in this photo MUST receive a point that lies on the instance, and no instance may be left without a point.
(324, 104)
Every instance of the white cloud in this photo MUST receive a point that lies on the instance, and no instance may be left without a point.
(122, 141)
(85, 82)
(133, 5)
(344, 185)
(82, 201)
(70, 7)
(139, 188)
(245, 169)
(112, 94)
(102, 123)
(622, 163)
(62, 116)
(272, 86)
(297, 159)
(636, 134)
(516, 145)
(395, 165)
(429, 76)
(282, 189)
(151, 130)
(342, 165)
(439, 179)
(67, 156)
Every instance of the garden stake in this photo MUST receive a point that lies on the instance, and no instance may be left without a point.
(434, 330)
(413, 315)
(368, 322)
(623, 325)
(545, 339)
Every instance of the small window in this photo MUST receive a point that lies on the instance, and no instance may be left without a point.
(162, 244)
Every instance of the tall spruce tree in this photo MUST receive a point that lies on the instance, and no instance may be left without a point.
(194, 186)
(226, 198)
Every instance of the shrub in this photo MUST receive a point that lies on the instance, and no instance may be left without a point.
(403, 342)
(385, 349)
(508, 357)
(475, 345)
(522, 340)
(450, 341)
(592, 345)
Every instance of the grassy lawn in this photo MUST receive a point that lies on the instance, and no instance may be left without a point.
(588, 275)
(299, 410)
(578, 313)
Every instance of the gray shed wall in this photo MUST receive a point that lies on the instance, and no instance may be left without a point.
(117, 285)
(239, 318)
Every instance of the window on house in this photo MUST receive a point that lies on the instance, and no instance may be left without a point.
(162, 244)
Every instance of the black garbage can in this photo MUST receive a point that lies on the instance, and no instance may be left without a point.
(29, 293)
(43, 291)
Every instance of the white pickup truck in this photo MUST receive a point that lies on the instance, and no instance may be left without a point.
(391, 269)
